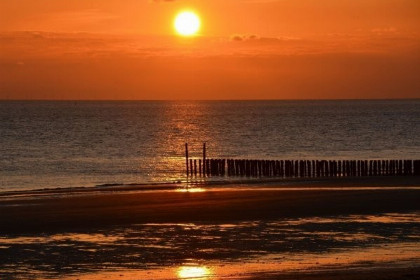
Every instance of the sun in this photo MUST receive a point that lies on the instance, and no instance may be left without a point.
(187, 23)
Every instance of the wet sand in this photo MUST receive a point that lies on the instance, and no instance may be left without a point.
(347, 274)
(94, 209)
(49, 212)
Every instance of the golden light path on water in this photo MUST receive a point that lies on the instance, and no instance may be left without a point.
(194, 272)
(191, 190)
(397, 255)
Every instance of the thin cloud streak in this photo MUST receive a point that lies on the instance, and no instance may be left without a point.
(82, 66)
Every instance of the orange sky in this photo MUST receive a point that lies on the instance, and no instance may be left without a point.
(247, 49)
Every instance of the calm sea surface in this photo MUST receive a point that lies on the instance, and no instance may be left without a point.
(72, 144)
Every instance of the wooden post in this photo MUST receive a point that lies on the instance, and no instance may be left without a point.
(416, 167)
(339, 172)
(186, 158)
(191, 167)
(400, 167)
(204, 158)
(195, 168)
(309, 169)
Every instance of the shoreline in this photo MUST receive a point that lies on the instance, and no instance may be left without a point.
(374, 181)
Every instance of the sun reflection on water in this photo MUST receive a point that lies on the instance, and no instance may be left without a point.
(191, 190)
(194, 273)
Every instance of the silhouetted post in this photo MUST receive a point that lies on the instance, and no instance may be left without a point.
(374, 168)
(354, 168)
(327, 168)
(257, 168)
(348, 171)
(366, 168)
(336, 168)
(290, 162)
(195, 168)
(224, 167)
(191, 167)
(343, 168)
(309, 168)
(186, 158)
(392, 167)
(339, 168)
(384, 167)
(247, 168)
(317, 168)
(410, 167)
(199, 167)
(362, 168)
(400, 169)
(296, 168)
(204, 158)
(292, 167)
(416, 167)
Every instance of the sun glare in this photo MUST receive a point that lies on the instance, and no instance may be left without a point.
(193, 272)
(187, 23)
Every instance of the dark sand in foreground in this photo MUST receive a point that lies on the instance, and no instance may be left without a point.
(91, 210)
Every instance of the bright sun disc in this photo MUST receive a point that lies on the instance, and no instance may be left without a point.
(187, 23)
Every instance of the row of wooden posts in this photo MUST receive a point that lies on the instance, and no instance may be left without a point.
(206, 167)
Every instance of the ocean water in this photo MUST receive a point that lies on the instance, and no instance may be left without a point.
(58, 144)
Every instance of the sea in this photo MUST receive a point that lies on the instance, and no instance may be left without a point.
(67, 144)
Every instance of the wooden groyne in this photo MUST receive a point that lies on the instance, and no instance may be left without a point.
(207, 167)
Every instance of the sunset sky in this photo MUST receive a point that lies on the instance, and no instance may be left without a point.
(245, 49)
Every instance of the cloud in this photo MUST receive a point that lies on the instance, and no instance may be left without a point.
(384, 31)
(45, 65)
(49, 45)
(258, 39)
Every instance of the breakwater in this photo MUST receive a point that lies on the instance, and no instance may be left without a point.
(206, 167)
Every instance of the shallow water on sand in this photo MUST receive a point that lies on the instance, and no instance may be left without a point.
(215, 251)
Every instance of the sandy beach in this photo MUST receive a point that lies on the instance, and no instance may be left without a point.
(113, 207)
(45, 219)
